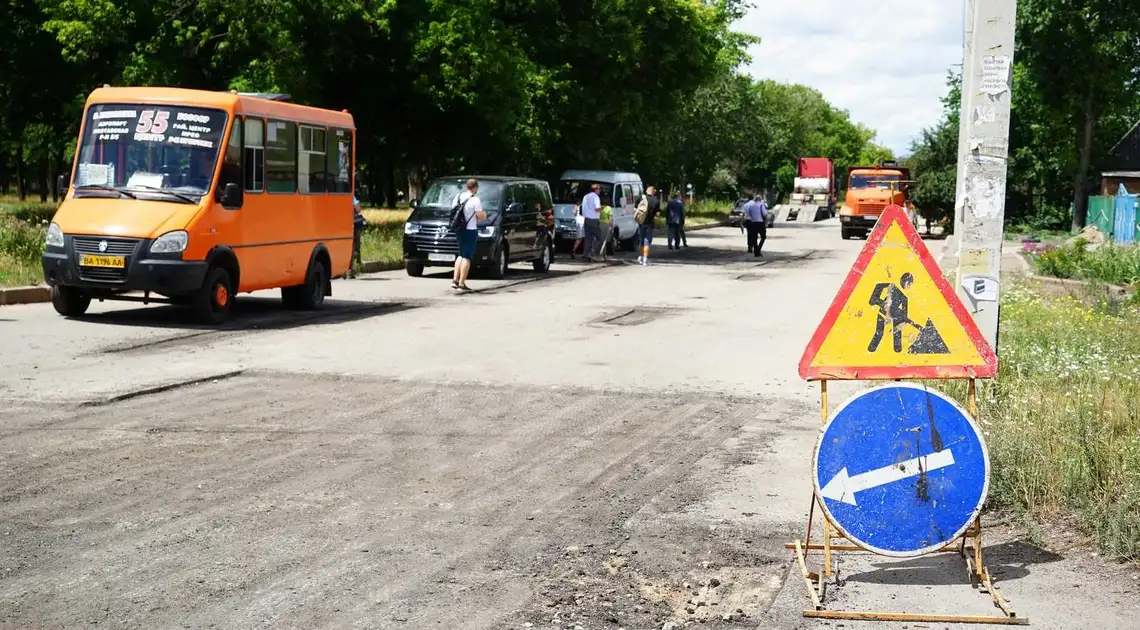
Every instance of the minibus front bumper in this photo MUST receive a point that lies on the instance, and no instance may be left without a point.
(122, 265)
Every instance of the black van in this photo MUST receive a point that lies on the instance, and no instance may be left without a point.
(520, 217)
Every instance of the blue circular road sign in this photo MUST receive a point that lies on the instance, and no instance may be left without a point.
(901, 470)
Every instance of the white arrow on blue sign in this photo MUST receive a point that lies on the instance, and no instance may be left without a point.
(901, 470)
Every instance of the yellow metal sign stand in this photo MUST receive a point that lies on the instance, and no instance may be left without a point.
(969, 546)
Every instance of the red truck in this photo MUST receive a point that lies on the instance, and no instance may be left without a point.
(814, 189)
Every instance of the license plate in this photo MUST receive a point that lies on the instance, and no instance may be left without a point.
(91, 260)
(441, 257)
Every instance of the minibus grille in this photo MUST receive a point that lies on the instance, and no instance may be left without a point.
(430, 242)
(100, 274)
(115, 246)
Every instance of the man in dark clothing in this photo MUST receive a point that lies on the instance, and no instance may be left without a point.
(645, 230)
(675, 220)
(358, 224)
(756, 222)
(894, 307)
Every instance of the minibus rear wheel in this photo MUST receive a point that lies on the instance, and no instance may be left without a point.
(311, 295)
(69, 301)
(214, 301)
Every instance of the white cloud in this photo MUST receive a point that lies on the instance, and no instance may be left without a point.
(884, 61)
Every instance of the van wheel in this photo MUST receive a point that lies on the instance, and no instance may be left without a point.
(214, 301)
(542, 263)
(414, 270)
(311, 295)
(498, 269)
(69, 301)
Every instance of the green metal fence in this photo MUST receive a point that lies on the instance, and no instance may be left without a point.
(1102, 213)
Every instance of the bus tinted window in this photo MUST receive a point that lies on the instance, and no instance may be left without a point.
(340, 161)
(231, 160)
(311, 171)
(150, 148)
(281, 156)
(254, 154)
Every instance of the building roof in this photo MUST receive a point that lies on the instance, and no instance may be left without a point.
(1125, 156)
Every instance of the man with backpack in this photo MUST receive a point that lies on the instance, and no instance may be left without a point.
(466, 213)
(646, 214)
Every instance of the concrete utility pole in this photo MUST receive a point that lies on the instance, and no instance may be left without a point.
(983, 157)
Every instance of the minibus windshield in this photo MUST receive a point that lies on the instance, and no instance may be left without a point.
(140, 151)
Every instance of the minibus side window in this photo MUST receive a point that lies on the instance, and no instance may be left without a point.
(281, 156)
(311, 160)
(254, 155)
(231, 161)
(340, 161)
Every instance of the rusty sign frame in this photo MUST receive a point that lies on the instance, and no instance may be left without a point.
(894, 214)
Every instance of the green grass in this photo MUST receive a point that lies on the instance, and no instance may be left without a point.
(20, 247)
(1113, 264)
(702, 212)
(1062, 420)
(382, 242)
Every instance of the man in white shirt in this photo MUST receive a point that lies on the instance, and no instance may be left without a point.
(469, 236)
(591, 210)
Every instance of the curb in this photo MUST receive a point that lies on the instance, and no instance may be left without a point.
(377, 267)
(1113, 289)
(25, 295)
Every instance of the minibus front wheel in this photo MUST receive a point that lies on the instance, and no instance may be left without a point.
(215, 299)
(69, 301)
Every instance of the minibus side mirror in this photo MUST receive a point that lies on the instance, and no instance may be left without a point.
(412, 203)
(232, 197)
(61, 186)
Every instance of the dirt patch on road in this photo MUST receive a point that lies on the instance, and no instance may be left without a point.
(283, 500)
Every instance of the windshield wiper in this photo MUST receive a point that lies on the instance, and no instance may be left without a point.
(105, 187)
(172, 193)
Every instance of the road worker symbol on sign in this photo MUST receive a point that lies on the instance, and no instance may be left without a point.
(896, 317)
(893, 305)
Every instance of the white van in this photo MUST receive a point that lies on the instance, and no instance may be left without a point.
(624, 189)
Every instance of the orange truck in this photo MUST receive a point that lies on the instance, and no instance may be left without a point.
(197, 196)
(870, 189)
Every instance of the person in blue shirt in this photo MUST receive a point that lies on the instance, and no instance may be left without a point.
(756, 223)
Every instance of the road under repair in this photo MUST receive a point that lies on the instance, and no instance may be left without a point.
(609, 446)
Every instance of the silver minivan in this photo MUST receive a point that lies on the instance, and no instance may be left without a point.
(623, 190)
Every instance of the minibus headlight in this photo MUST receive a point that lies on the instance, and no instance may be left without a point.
(170, 243)
(411, 228)
(487, 232)
(54, 236)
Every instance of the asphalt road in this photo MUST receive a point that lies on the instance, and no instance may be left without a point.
(607, 446)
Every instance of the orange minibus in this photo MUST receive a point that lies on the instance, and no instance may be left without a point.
(197, 196)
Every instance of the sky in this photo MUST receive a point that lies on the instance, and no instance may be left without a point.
(884, 61)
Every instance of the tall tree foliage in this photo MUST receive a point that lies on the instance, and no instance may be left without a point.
(530, 86)
(1076, 91)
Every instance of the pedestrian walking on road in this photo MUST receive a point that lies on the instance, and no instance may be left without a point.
(645, 230)
(756, 223)
(358, 223)
(606, 217)
(591, 210)
(473, 213)
(675, 220)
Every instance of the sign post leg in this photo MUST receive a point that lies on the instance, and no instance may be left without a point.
(826, 522)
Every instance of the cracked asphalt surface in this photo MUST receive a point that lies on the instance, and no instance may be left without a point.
(609, 447)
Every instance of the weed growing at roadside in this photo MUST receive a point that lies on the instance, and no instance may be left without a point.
(1062, 420)
(21, 245)
(1114, 264)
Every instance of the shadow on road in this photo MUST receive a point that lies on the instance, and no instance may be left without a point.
(250, 313)
(1006, 562)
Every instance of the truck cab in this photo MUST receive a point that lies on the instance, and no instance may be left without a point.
(870, 189)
